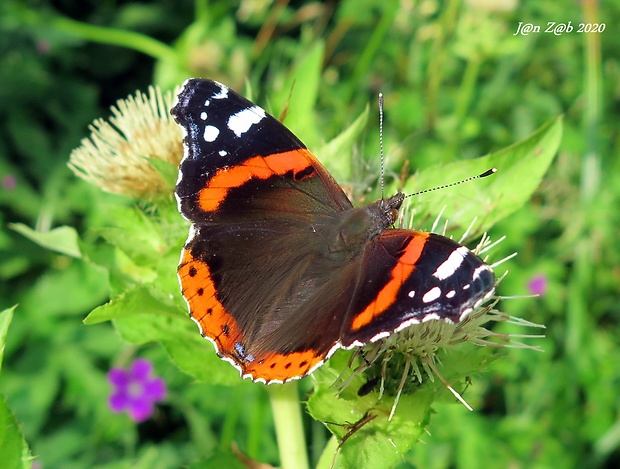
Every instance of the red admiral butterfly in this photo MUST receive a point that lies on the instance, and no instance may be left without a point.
(279, 269)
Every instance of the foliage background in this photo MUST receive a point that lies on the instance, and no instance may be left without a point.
(458, 84)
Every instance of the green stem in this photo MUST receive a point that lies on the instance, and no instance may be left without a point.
(329, 453)
(374, 44)
(289, 427)
(118, 37)
(465, 97)
(439, 52)
(591, 163)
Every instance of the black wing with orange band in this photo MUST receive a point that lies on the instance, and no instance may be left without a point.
(411, 277)
(260, 204)
(232, 148)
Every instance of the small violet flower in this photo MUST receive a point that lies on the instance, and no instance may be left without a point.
(9, 182)
(538, 285)
(136, 390)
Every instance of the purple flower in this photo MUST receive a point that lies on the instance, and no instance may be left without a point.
(135, 390)
(43, 47)
(9, 182)
(538, 285)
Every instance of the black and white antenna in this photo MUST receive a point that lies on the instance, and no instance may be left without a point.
(488, 172)
(382, 157)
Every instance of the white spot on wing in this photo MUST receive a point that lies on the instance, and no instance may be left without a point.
(223, 93)
(241, 122)
(223, 153)
(450, 294)
(431, 317)
(203, 116)
(411, 294)
(479, 270)
(465, 313)
(211, 132)
(451, 264)
(431, 295)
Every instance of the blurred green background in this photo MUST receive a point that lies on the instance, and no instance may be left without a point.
(459, 83)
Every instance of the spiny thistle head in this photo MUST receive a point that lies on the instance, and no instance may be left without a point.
(118, 156)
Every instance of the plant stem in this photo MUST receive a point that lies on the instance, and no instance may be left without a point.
(129, 39)
(591, 164)
(289, 427)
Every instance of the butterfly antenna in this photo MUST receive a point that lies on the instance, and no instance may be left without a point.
(488, 172)
(382, 158)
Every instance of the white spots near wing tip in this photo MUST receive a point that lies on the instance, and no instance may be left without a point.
(451, 264)
(450, 294)
(223, 152)
(203, 115)
(479, 270)
(241, 122)
(466, 286)
(211, 132)
(431, 295)
(222, 94)
(411, 294)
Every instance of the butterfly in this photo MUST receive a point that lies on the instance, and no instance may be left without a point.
(280, 270)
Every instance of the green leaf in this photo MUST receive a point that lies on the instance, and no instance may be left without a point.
(141, 318)
(63, 239)
(379, 442)
(298, 94)
(520, 168)
(5, 320)
(83, 286)
(339, 151)
(166, 170)
(376, 442)
(196, 356)
(136, 234)
(13, 448)
(138, 301)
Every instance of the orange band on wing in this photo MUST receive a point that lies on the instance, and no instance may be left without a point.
(400, 273)
(258, 167)
(221, 327)
(283, 367)
(204, 307)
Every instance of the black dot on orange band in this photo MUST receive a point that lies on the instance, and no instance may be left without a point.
(225, 330)
(209, 310)
(303, 363)
(273, 365)
(192, 271)
(288, 365)
(200, 291)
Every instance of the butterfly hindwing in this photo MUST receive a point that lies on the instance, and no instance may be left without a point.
(410, 277)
